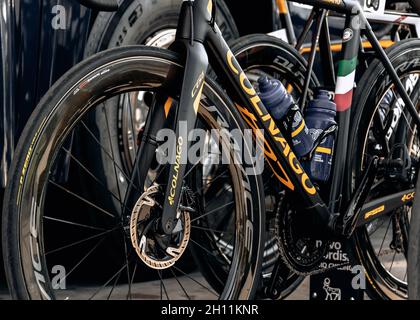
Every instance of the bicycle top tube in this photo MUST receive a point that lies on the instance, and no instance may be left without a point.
(346, 6)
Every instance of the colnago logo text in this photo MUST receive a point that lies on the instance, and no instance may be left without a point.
(174, 181)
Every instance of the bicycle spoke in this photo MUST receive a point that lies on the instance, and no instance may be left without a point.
(212, 230)
(232, 236)
(383, 240)
(107, 153)
(197, 163)
(94, 177)
(197, 282)
(223, 222)
(215, 198)
(113, 155)
(162, 286)
(227, 243)
(214, 210)
(393, 259)
(113, 286)
(161, 290)
(132, 278)
(408, 124)
(132, 123)
(84, 258)
(204, 249)
(74, 223)
(108, 281)
(82, 199)
(212, 180)
(81, 241)
(128, 265)
(193, 167)
(230, 241)
(182, 287)
(402, 113)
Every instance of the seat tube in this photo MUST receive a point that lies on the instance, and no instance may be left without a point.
(343, 99)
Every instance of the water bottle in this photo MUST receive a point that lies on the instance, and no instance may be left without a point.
(283, 109)
(320, 116)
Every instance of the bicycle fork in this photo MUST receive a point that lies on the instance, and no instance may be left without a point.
(186, 86)
(192, 88)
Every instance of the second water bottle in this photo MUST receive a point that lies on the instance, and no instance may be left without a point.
(282, 107)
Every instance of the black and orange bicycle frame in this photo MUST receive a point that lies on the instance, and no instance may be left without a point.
(200, 42)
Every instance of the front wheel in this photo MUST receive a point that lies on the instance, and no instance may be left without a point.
(62, 242)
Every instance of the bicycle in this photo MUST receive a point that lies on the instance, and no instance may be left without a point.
(170, 216)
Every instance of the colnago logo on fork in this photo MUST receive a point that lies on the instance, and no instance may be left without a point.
(174, 181)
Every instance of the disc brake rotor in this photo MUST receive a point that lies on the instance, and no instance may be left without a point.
(156, 250)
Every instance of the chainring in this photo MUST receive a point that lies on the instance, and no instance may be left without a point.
(302, 255)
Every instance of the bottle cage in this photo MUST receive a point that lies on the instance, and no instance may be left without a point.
(331, 130)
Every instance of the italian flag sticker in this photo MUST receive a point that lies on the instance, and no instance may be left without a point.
(345, 81)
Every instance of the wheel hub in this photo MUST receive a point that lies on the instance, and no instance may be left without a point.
(157, 250)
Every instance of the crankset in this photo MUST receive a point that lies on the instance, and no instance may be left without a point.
(301, 253)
